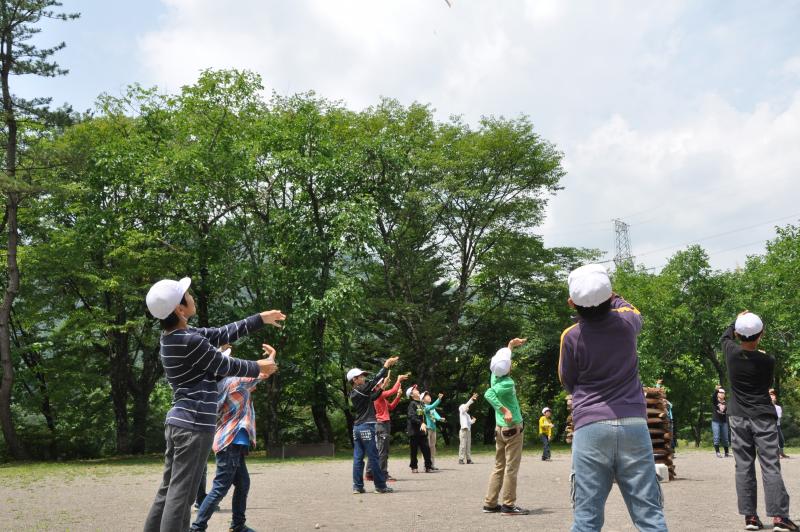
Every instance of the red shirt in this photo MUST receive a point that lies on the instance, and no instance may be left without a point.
(383, 407)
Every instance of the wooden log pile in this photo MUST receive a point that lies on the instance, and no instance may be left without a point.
(657, 422)
(660, 429)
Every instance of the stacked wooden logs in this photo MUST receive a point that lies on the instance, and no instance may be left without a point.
(660, 429)
(570, 425)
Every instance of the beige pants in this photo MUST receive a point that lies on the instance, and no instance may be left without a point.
(508, 454)
(465, 445)
(432, 445)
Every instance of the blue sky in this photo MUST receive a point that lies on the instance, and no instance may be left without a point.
(680, 117)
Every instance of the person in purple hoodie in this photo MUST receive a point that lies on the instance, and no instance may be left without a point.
(599, 366)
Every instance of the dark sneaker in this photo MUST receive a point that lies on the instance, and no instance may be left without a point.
(241, 529)
(783, 524)
(470, 462)
(492, 509)
(752, 522)
(513, 510)
(357, 491)
(435, 468)
(430, 469)
(387, 489)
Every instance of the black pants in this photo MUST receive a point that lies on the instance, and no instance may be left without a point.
(419, 442)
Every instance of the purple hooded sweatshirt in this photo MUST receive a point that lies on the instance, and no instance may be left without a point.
(599, 366)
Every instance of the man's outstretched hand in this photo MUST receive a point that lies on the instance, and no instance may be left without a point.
(516, 342)
(390, 362)
(272, 317)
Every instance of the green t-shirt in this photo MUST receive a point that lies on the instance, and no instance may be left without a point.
(502, 392)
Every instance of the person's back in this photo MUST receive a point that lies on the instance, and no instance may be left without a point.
(602, 368)
(751, 374)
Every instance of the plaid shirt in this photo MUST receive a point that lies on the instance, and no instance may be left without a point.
(235, 410)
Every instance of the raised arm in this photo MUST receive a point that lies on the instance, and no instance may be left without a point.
(567, 368)
(630, 313)
(205, 356)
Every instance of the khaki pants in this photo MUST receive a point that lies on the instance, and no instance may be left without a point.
(432, 445)
(508, 454)
(465, 445)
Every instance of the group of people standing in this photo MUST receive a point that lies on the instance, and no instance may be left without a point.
(598, 365)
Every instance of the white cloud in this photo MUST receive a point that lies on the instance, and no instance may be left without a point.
(675, 109)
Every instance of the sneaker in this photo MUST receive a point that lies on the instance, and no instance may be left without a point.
(430, 469)
(783, 524)
(461, 462)
(415, 470)
(470, 462)
(513, 510)
(719, 455)
(434, 468)
(727, 455)
(492, 509)
(752, 522)
(784, 455)
(244, 528)
(390, 478)
(357, 491)
(387, 489)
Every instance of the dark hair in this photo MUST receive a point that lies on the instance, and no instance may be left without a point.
(171, 321)
(591, 313)
(752, 338)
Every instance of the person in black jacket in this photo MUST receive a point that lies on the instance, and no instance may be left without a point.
(417, 431)
(719, 421)
(753, 423)
(362, 396)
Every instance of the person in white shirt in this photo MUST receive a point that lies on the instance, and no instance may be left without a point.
(778, 410)
(465, 434)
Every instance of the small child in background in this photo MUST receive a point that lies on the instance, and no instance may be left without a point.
(546, 432)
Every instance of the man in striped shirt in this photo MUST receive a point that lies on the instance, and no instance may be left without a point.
(191, 363)
(236, 432)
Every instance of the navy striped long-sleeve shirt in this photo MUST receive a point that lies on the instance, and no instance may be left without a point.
(192, 362)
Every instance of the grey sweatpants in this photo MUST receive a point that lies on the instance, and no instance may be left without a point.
(184, 460)
(383, 432)
(751, 435)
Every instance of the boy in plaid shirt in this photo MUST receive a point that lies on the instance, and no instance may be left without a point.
(236, 433)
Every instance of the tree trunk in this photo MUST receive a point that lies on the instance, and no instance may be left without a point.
(13, 200)
(119, 371)
(319, 397)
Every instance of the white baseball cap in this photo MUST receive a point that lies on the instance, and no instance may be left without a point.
(410, 389)
(423, 394)
(720, 391)
(748, 324)
(353, 373)
(165, 295)
(589, 285)
(501, 362)
(545, 409)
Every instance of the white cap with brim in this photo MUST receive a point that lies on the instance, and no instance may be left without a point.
(410, 390)
(748, 324)
(355, 372)
(545, 409)
(165, 295)
(501, 362)
(589, 285)
(423, 394)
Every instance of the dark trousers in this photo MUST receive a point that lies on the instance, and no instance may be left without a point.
(383, 434)
(781, 441)
(231, 471)
(751, 435)
(419, 442)
(184, 459)
(545, 447)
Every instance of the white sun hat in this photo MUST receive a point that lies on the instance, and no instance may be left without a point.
(500, 364)
(589, 285)
(353, 373)
(748, 324)
(165, 295)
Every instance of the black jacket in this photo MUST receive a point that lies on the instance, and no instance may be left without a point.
(362, 398)
(719, 411)
(416, 417)
(751, 374)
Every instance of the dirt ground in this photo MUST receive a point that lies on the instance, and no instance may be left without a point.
(304, 495)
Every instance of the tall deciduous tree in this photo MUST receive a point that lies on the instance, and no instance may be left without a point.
(19, 23)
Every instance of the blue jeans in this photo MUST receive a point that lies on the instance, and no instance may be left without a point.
(364, 444)
(720, 431)
(545, 446)
(615, 449)
(231, 471)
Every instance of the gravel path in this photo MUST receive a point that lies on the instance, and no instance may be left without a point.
(301, 495)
